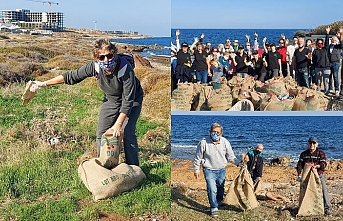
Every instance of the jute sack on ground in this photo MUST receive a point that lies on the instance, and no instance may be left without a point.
(257, 98)
(104, 183)
(109, 151)
(275, 104)
(311, 194)
(308, 99)
(182, 97)
(221, 100)
(241, 192)
(200, 94)
(235, 84)
(276, 86)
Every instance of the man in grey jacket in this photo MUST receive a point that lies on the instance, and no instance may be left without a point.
(213, 153)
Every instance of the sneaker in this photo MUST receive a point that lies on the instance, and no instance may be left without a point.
(331, 91)
(214, 212)
(337, 93)
(328, 213)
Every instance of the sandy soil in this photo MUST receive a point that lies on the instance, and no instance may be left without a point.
(189, 195)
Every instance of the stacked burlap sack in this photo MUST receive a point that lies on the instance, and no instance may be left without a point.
(276, 94)
(104, 177)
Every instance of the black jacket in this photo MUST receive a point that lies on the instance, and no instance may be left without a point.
(255, 164)
(335, 56)
(320, 58)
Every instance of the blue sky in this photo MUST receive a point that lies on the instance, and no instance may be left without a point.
(227, 14)
(150, 17)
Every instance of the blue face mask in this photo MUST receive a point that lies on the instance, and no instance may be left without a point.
(214, 136)
(107, 65)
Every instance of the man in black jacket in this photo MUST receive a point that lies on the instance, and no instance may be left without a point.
(334, 50)
(321, 62)
(255, 163)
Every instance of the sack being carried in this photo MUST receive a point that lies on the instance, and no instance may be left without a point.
(311, 195)
(241, 192)
(109, 151)
(104, 183)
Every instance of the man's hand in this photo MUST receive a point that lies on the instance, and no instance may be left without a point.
(177, 33)
(37, 85)
(248, 38)
(202, 35)
(196, 175)
(264, 40)
(328, 29)
(299, 179)
(115, 130)
(245, 158)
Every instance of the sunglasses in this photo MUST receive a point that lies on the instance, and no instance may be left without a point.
(312, 142)
(101, 57)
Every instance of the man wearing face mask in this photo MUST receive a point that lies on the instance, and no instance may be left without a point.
(124, 94)
(334, 50)
(321, 63)
(213, 153)
(255, 162)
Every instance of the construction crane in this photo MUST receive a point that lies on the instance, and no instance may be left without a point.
(49, 2)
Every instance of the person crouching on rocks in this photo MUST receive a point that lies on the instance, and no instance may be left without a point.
(213, 153)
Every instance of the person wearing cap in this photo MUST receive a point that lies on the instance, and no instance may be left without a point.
(317, 158)
(273, 59)
(242, 62)
(235, 45)
(183, 68)
(201, 61)
(227, 45)
(213, 154)
(259, 66)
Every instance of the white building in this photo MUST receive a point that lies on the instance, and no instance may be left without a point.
(33, 20)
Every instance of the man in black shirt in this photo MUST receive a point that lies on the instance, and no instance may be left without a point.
(300, 58)
(274, 62)
(182, 71)
(241, 62)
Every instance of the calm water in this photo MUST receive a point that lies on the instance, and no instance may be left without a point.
(160, 41)
(217, 36)
(281, 135)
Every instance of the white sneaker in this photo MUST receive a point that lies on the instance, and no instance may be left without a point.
(337, 93)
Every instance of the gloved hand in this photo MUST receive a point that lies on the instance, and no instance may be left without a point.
(37, 85)
(299, 179)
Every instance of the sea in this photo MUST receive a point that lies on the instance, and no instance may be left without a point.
(147, 53)
(280, 135)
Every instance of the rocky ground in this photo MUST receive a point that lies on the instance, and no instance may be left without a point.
(189, 199)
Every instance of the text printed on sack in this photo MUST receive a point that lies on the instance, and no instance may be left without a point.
(117, 177)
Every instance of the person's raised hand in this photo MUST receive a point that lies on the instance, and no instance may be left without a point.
(328, 29)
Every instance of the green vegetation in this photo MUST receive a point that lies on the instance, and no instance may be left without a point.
(40, 181)
(321, 30)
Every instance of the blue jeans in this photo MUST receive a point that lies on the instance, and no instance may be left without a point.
(302, 77)
(201, 76)
(334, 66)
(108, 115)
(215, 180)
(327, 203)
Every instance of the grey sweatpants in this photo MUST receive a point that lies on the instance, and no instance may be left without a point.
(327, 203)
(108, 115)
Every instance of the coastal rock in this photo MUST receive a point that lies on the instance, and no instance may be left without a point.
(281, 161)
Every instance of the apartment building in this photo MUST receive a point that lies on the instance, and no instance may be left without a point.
(33, 20)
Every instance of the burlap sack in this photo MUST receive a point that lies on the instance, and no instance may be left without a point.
(335, 104)
(182, 97)
(258, 98)
(221, 100)
(201, 93)
(104, 183)
(275, 104)
(259, 87)
(28, 95)
(276, 86)
(235, 84)
(241, 192)
(310, 100)
(311, 195)
(109, 151)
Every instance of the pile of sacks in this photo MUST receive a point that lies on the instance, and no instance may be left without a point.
(104, 177)
(276, 94)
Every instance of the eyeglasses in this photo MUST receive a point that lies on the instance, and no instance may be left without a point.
(101, 57)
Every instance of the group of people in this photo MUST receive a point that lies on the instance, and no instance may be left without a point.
(309, 63)
(215, 152)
